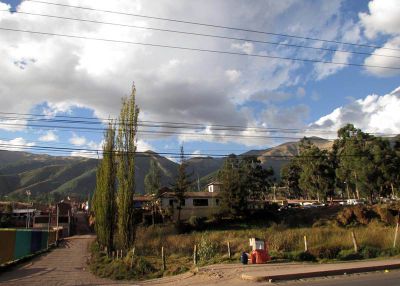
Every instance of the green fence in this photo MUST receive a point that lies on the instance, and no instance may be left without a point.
(18, 243)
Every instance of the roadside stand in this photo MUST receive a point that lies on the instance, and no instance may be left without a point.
(259, 253)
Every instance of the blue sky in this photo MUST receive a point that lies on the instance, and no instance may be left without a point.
(52, 76)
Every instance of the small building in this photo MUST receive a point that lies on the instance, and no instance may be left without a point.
(214, 187)
(199, 204)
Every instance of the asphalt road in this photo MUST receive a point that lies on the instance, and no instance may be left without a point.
(391, 278)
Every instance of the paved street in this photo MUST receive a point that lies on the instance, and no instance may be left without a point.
(65, 265)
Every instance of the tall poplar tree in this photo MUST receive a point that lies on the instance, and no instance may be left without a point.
(104, 196)
(126, 148)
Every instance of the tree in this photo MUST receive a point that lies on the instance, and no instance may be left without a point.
(255, 178)
(104, 196)
(152, 179)
(317, 172)
(152, 184)
(290, 175)
(182, 184)
(234, 193)
(126, 148)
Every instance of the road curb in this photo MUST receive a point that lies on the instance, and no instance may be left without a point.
(312, 274)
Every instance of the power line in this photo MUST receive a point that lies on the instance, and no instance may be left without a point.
(213, 25)
(199, 34)
(166, 125)
(196, 49)
(177, 154)
(155, 124)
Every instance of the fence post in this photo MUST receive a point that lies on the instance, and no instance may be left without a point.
(163, 259)
(229, 250)
(305, 244)
(195, 254)
(354, 242)
(395, 235)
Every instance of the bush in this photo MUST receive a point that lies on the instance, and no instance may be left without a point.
(369, 252)
(207, 248)
(349, 255)
(196, 222)
(385, 214)
(300, 256)
(326, 252)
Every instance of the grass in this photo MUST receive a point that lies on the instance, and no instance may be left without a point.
(328, 241)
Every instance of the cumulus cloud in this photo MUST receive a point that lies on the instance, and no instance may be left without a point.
(17, 144)
(49, 136)
(383, 17)
(375, 60)
(77, 140)
(172, 85)
(374, 114)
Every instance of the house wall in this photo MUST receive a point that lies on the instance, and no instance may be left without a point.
(189, 209)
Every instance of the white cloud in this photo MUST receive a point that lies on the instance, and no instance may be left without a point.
(324, 70)
(13, 125)
(17, 144)
(233, 75)
(77, 140)
(85, 154)
(374, 114)
(49, 136)
(143, 146)
(177, 86)
(383, 17)
(375, 60)
(246, 47)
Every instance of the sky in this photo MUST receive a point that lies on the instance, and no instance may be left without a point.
(60, 79)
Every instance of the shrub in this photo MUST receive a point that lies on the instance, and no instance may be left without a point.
(326, 252)
(349, 255)
(300, 256)
(369, 252)
(207, 248)
(196, 222)
(385, 214)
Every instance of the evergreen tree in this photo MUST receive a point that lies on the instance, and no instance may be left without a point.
(126, 147)
(104, 196)
(182, 184)
(255, 178)
(233, 192)
(152, 179)
(152, 185)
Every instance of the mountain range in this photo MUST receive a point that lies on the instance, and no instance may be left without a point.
(40, 174)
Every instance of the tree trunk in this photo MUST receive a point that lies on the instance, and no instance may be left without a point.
(392, 186)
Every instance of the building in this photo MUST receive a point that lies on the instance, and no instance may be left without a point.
(214, 187)
(199, 204)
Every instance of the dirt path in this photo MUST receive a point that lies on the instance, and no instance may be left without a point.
(65, 265)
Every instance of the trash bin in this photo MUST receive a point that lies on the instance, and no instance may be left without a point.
(244, 258)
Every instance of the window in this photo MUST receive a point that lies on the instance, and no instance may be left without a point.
(183, 202)
(200, 202)
(217, 202)
(171, 203)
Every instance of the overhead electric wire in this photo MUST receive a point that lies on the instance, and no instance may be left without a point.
(5, 120)
(199, 34)
(211, 25)
(8, 120)
(169, 154)
(195, 49)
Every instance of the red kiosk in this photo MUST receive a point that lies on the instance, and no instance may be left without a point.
(259, 253)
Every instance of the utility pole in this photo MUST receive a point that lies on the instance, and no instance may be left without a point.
(57, 218)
